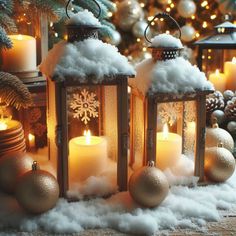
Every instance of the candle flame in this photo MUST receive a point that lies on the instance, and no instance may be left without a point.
(19, 37)
(234, 60)
(217, 71)
(30, 137)
(165, 131)
(87, 135)
(3, 125)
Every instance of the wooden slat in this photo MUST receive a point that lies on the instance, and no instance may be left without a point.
(200, 139)
(62, 138)
(150, 130)
(122, 162)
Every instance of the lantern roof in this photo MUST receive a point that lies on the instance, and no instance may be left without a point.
(174, 77)
(224, 36)
(90, 60)
(166, 41)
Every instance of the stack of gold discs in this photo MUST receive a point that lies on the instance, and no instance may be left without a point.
(12, 138)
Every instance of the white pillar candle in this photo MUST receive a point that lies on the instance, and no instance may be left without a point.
(230, 72)
(218, 80)
(168, 148)
(87, 157)
(22, 56)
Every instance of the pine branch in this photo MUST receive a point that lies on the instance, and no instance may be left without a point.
(109, 5)
(106, 32)
(7, 23)
(6, 6)
(109, 24)
(5, 42)
(13, 91)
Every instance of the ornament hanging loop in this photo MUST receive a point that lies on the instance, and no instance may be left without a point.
(99, 8)
(159, 16)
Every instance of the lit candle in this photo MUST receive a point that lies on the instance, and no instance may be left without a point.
(168, 148)
(219, 81)
(22, 56)
(87, 157)
(3, 125)
(31, 139)
(230, 72)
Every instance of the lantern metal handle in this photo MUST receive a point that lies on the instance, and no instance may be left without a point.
(158, 16)
(99, 8)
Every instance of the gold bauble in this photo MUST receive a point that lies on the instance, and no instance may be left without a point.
(216, 135)
(11, 167)
(219, 164)
(128, 13)
(37, 191)
(148, 186)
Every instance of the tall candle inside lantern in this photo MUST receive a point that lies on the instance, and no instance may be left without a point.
(168, 148)
(22, 56)
(230, 71)
(219, 81)
(87, 157)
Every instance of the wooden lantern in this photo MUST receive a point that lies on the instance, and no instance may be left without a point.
(78, 105)
(151, 111)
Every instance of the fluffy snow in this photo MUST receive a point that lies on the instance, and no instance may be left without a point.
(166, 41)
(170, 76)
(84, 18)
(80, 59)
(184, 207)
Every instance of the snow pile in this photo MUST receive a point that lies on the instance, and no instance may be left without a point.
(170, 76)
(84, 18)
(184, 207)
(182, 173)
(96, 186)
(166, 41)
(81, 59)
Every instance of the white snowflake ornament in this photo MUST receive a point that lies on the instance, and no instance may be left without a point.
(85, 106)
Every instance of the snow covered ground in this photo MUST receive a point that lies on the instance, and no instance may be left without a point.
(183, 208)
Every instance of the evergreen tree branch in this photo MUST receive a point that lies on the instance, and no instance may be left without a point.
(5, 42)
(13, 91)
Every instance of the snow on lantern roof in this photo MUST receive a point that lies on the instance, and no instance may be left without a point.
(166, 41)
(83, 60)
(85, 18)
(176, 76)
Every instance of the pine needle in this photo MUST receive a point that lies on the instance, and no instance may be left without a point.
(13, 91)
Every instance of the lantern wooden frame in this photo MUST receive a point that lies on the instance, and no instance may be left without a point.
(150, 103)
(60, 123)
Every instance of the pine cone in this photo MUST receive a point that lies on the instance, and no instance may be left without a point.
(230, 109)
(214, 102)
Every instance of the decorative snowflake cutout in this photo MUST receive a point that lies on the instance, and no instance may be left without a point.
(170, 112)
(84, 106)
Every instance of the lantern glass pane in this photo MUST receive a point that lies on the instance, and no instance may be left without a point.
(213, 59)
(189, 128)
(92, 140)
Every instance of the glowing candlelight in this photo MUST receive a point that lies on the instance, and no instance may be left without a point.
(168, 148)
(230, 72)
(31, 139)
(219, 80)
(87, 156)
(22, 56)
(3, 125)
